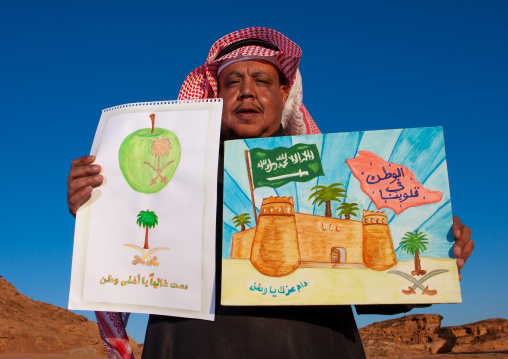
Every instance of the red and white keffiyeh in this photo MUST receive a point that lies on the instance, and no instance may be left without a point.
(114, 337)
(201, 84)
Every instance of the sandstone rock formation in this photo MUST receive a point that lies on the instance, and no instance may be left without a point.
(422, 333)
(29, 326)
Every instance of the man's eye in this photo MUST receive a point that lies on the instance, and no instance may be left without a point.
(262, 81)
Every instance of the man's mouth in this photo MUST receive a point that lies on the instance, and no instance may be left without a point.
(247, 110)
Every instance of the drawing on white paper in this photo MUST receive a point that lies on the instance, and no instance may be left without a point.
(146, 219)
(142, 155)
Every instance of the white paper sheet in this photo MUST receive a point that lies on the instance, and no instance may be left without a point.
(179, 281)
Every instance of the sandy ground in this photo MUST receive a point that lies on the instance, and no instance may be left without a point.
(244, 285)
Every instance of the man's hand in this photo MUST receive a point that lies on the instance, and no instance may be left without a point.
(464, 245)
(83, 177)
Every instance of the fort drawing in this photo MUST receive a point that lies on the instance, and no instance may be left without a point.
(284, 240)
(344, 218)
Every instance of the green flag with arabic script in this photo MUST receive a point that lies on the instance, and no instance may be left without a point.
(274, 168)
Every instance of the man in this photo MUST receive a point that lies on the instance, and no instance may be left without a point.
(255, 71)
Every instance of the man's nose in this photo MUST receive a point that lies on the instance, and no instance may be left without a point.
(247, 89)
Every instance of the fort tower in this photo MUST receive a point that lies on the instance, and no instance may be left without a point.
(275, 250)
(378, 252)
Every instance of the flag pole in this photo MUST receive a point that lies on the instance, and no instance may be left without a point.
(251, 186)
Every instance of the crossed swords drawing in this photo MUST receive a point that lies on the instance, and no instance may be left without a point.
(419, 283)
(158, 171)
(145, 255)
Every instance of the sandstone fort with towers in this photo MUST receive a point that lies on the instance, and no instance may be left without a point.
(285, 240)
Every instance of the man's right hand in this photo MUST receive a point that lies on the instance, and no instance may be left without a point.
(83, 177)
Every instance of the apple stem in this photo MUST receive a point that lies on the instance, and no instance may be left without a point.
(152, 116)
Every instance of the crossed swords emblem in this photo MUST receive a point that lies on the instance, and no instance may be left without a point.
(419, 283)
(145, 255)
(159, 173)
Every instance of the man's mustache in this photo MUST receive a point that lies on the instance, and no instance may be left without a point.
(239, 106)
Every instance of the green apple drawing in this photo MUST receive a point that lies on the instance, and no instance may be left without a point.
(149, 157)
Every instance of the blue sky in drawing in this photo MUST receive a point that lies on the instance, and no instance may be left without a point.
(421, 150)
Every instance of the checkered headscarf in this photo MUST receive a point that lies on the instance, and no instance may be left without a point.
(202, 82)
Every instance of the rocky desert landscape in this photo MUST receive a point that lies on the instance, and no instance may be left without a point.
(31, 329)
(35, 330)
(421, 336)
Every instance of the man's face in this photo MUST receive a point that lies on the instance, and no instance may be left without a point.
(253, 99)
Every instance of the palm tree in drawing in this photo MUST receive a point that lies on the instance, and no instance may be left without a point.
(326, 194)
(241, 220)
(147, 219)
(160, 147)
(347, 209)
(414, 243)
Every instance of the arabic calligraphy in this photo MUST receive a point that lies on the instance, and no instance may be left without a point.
(371, 179)
(283, 290)
(390, 185)
(388, 175)
(143, 281)
(282, 160)
(401, 197)
(109, 280)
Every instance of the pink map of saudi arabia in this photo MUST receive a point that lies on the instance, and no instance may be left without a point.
(389, 185)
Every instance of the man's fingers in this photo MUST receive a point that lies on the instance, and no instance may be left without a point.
(83, 177)
(82, 161)
(463, 246)
(77, 199)
(79, 189)
(83, 171)
(460, 263)
(465, 237)
(457, 227)
(467, 249)
(79, 184)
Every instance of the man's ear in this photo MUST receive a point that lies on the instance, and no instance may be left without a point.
(284, 94)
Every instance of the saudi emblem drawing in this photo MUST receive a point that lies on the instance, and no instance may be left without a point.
(148, 160)
(146, 219)
(353, 216)
(149, 157)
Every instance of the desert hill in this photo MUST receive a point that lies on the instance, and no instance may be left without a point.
(419, 335)
(35, 330)
(29, 326)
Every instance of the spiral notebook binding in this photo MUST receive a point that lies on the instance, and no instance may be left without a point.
(156, 103)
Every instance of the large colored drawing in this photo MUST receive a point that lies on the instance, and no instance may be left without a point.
(347, 218)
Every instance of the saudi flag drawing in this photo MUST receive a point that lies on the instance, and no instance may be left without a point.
(274, 168)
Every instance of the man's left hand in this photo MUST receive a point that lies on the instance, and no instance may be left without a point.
(464, 245)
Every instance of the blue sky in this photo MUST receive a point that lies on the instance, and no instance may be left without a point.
(366, 65)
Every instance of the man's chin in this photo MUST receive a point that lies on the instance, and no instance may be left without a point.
(244, 132)
(242, 135)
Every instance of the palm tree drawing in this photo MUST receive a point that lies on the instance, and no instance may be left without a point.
(241, 220)
(160, 147)
(327, 194)
(347, 209)
(147, 219)
(414, 243)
